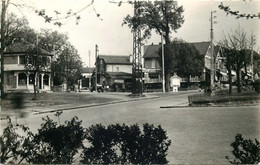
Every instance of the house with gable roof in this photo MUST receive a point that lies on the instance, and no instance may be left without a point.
(153, 70)
(113, 69)
(17, 77)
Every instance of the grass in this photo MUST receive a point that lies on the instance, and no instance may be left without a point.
(51, 100)
(221, 97)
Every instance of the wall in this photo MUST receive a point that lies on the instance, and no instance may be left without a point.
(148, 63)
(11, 60)
(122, 68)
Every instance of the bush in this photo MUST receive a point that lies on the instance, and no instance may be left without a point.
(245, 151)
(256, 85)
(52, 144)
(59, 143)
(126, 144)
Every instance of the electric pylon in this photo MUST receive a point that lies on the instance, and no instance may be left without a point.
(137, 58)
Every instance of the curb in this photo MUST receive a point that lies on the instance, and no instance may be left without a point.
(206, 106)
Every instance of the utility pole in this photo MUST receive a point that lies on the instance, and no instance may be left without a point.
(252, 57)
(96, 69)
(163, 75)
(212, 68)
(89, 82)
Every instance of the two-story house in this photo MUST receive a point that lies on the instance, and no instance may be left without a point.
(153, 70)
(17, 77)
(114, 69)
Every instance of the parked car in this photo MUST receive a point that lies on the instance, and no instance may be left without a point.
(99, 88)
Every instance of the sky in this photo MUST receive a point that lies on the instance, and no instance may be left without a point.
(114, 39)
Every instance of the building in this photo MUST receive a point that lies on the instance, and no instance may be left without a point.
(153, 70)
(85, 81)
(114, 70)
(18, 69)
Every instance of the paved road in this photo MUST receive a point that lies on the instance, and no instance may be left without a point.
(199, 135)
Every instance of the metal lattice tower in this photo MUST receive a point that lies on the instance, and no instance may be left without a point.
(137, 57)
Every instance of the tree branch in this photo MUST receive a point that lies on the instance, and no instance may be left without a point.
(238, 15)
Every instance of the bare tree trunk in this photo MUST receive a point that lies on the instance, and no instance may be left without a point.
(167, 73)
(238, 79)
(34, 85)
(245, 77)
(230, 80)
(2, 47)
(167, 82)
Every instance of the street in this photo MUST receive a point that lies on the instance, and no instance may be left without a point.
(198, 135)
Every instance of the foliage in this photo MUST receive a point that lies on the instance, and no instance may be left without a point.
(237, 51)
(126, 144)
(256, 85)
(237, 14)
(11, 143)
(59, 17)
(65, 140)
(183, 58)
(161, 16)
(52, 144)
(18, 30)
(66, 63)
(246, 151)
(58, 144)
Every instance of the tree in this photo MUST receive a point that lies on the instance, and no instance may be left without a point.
(227, 53)
(161, 16)
(236, 49)
(68, 66)
(36, 61)
(17, 29)
(184, 59)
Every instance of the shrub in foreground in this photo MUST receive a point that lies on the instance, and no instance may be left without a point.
(56, 143)
(246, 151)
(120, 144)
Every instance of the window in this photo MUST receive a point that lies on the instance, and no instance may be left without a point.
(22, 78)
(44, 61)
(32, 60)
(22, 59)
(153, 76)
(10, 60)
(117, 69)
(31, 78)
(153, 64)
(46, 80)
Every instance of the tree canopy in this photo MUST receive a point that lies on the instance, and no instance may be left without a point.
(161, 16)
(183, 58)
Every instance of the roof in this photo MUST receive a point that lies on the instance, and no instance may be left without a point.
(116, 59)
(202, 47)
(22, 48)
(88, 69)
(152, 51)
(120, 75)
